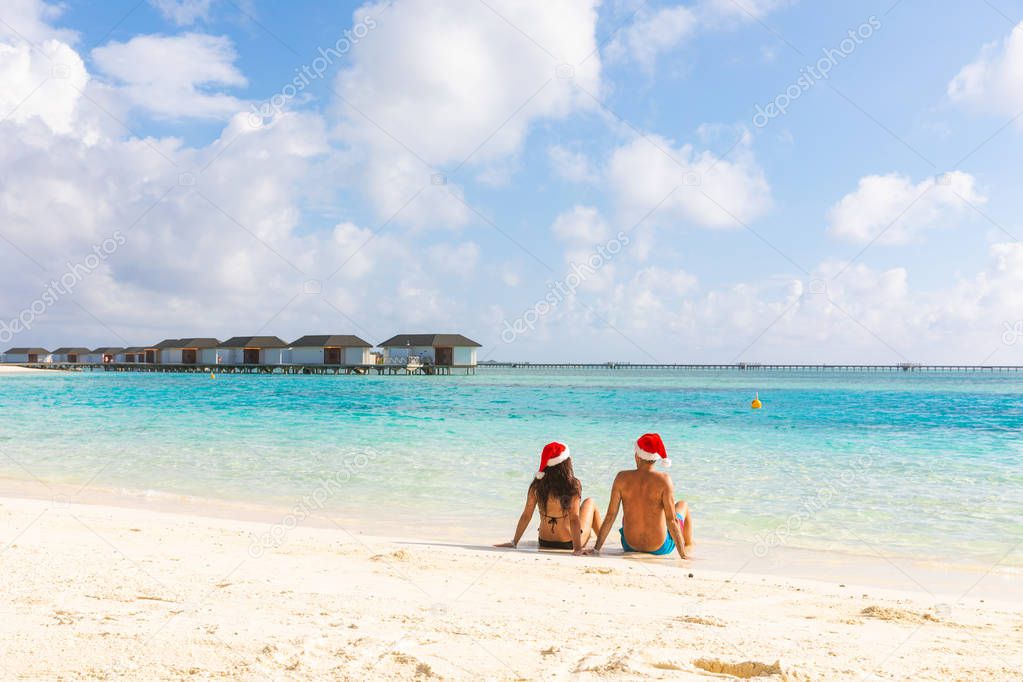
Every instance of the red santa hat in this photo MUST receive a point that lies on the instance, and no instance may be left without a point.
(553, 453)
(650, 447)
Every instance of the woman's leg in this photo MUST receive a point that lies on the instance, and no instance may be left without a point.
(682, 509)
(589, 518)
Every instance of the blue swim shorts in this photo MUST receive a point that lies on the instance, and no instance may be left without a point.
(667, 548)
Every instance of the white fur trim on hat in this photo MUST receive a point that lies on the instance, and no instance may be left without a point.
(553, 461)
(559, 459)
(651, 456)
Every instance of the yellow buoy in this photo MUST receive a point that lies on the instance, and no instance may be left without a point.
(212, 375)
(756, 404)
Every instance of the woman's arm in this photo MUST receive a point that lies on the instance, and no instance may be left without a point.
(524, 518)
(575, 525)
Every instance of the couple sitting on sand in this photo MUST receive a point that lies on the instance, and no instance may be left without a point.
(653, 522)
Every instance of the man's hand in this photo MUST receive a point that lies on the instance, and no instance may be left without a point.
(510, 545)
(587, 552)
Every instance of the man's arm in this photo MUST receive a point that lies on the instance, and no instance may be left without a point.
(612, 514)
(668, 501)
(524, 518)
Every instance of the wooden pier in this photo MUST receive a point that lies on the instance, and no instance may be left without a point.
(447, 370)
(755, 367)
(393, 369)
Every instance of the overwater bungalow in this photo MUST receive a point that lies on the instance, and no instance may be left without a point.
(70, 355)
(103, 356)
(200, 351)
(131, 355)
(253, 350)
(444, 350)
(335, 349)
(27, 355)
(164, 352)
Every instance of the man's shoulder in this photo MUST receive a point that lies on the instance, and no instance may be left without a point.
(622, 477)
(657, 477)
(665, 477)
(632, 474)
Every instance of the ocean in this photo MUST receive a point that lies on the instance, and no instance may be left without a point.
(885, 463)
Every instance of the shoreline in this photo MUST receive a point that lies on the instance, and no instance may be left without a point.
(873, 567)
(12, 370)
(143, 594)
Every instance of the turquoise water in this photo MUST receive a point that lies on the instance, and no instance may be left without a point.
(902, 463)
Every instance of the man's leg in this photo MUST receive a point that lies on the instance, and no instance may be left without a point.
(589, 518)
(682, 509)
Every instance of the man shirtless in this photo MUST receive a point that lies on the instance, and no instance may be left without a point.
(653, 522)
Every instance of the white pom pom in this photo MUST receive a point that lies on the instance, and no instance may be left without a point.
(540, 474)
(667, 463)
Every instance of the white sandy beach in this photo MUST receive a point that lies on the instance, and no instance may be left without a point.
(18, 369)
(104, 592)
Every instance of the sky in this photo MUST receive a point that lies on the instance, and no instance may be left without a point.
(559, 180)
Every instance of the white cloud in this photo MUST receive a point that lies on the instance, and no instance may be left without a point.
(443, 79)
(353, 251)
(894, 210)
(708, 191)
(44, 87)
(1008, 259)
(433, 86)
(403, 192)
(571, 165)
(586, 236)
(993, 83)
(174, 76)
(652, 294)
(714, 11)
(226, 254)
(456, 259)
(41, 76)
(32, 21)
(582, 225)
(865, 315)
(196, 257)
(653, 33)
(183, 12)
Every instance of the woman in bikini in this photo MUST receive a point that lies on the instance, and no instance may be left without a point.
(566, 520)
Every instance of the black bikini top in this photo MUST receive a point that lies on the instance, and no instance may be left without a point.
(552, 521)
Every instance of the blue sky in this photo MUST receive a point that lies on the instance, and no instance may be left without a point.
(874, 221)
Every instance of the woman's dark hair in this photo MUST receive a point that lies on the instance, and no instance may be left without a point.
(559, 481)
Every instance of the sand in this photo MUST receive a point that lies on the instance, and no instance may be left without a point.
(18, 369)
(103, 592)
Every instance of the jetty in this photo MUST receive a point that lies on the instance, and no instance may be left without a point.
(755, 367)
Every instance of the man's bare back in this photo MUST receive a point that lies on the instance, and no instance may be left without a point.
(651, 516)
(643, 495)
